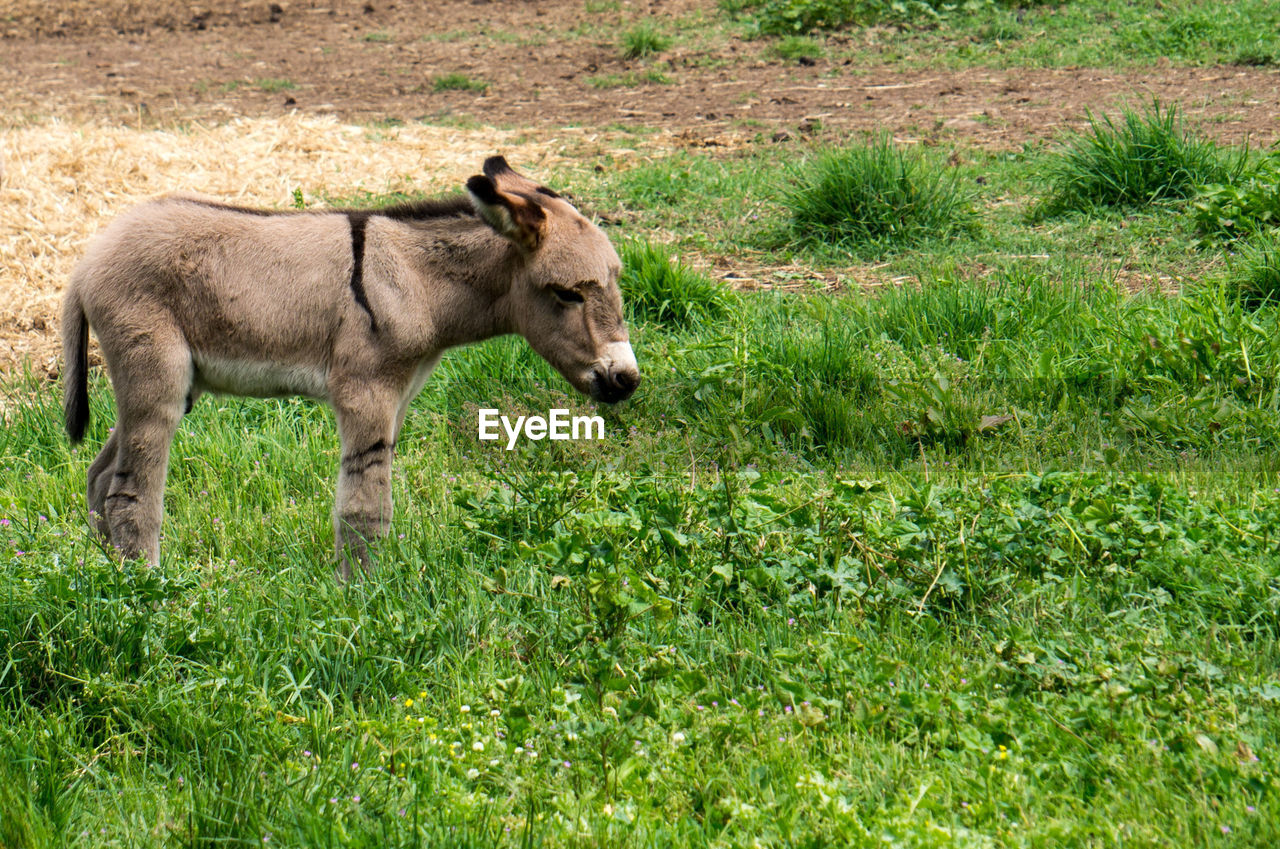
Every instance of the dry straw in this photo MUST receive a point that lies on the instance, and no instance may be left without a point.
(62, 182)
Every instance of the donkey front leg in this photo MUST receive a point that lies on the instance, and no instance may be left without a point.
(362, 512)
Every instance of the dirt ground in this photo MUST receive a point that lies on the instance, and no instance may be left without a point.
(377, 61)
(79, 75)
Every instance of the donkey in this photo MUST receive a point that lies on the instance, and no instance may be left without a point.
(353, 307)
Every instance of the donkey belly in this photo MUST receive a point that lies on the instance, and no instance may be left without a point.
(258, 378)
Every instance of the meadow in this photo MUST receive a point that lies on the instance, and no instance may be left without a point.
(986, 556)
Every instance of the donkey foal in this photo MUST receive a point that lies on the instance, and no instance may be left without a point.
(355, 307)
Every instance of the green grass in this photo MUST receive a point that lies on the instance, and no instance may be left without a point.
(267, 84)
(1081, 33)
(983, 557)
(659, 288)
(643, 40)
(1255, 274)
(794, 48)
(629, 79)
(781, 17)
(458, 82)
(746, 618)
(274, 85)
(874, 197)
(1147, 157)
(1247, 203)
(732, 207)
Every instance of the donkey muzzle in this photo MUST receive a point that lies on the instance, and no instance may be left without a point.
(614, 386)
(616, 376)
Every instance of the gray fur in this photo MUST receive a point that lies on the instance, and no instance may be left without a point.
(188, 296)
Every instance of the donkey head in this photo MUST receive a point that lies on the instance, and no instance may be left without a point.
(564, 299)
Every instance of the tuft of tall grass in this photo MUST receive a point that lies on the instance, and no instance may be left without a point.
(797, 47)
(658, 287)
(1145, 158)
(1255, 275)
(458, 82)
(643, 40)
(879, 196)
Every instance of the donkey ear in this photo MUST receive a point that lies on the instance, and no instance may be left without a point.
(496, 166)
(513, 215)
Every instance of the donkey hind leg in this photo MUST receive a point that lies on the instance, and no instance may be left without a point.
(151, 403)
(362, 512)
(101, 471)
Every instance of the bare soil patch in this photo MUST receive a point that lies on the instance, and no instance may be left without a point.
(544, 65)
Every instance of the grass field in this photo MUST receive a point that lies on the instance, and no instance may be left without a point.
(985, 558)
(1002, 33)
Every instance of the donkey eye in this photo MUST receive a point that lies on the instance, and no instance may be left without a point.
(566, 296)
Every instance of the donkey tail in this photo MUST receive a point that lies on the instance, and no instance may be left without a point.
(75, 355)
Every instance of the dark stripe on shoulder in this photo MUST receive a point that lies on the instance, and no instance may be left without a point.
(358, 221)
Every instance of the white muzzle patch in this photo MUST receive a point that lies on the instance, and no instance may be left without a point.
(618, 356)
